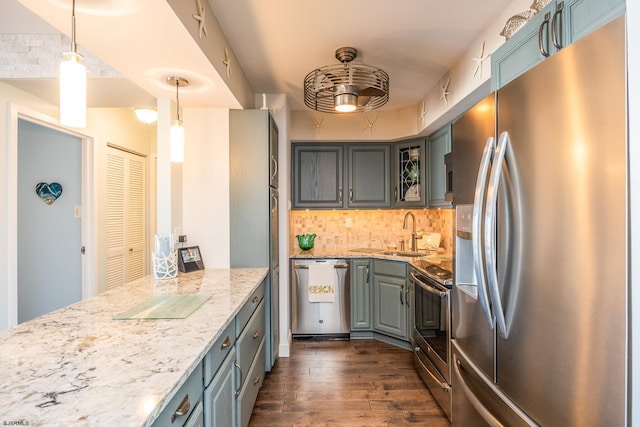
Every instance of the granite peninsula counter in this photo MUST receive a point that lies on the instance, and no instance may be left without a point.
(78, 366)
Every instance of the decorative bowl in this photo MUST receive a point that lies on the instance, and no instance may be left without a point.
(305, 241)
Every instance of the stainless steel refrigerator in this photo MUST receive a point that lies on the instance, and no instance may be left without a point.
(541, 276)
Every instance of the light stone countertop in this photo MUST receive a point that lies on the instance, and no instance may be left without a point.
(76, 366)
(297, 253)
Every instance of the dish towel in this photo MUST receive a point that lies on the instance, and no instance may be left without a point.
(321, 288)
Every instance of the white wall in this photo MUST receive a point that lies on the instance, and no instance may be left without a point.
(633, 51)
(104, 125)
(205, 184)
(9, 94)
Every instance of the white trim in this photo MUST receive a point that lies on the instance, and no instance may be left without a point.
(89, 191)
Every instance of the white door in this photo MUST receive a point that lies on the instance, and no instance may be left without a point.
(126, 217)
(49, 223)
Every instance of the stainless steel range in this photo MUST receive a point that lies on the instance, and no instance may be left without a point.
(432, 328)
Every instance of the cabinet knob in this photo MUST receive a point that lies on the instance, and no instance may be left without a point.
(256, 299)
(256, 334)
(257, 381)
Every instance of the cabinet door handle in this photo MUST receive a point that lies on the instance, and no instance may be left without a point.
(401, 292)
(340, 195)
(544, 52)
(237, 393)
(226, 343)
(183, 409)
(256, 334)
(257, 381)
(395, 194)
(275, 167)
(555, 22)
(255, 299)
(367, 279)
(351, 194)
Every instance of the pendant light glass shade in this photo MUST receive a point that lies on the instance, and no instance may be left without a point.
(73, 91)
(176, 145)
(73, 83)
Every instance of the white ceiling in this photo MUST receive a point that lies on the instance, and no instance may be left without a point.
(276, 42)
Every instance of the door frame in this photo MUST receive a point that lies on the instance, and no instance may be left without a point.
(88, 203)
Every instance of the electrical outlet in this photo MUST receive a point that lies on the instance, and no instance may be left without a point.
(347, 223)
(182, 239)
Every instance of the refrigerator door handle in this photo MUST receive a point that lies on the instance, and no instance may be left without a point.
(467, 373)
(478, 406)
(476, 229)
(502, 149)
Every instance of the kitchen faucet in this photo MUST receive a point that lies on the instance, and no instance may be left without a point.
(414, 235)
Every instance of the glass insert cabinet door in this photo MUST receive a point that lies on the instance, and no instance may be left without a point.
(410, 173)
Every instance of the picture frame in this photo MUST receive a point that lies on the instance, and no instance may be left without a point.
(190, 259)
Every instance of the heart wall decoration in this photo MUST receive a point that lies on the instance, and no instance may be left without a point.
(49, 193)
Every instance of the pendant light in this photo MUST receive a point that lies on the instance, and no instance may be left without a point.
(73, 83)
(176, 153)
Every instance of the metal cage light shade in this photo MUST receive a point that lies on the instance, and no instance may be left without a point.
(346, 87)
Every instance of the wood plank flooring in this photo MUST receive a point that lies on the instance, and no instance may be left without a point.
(345, 383)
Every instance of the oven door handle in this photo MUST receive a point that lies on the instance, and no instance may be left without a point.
(428, 287)
(445, 387)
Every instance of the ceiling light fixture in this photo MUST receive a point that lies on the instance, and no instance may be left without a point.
(177, 130)
(73, 83)
(148, 116)
(346, 87)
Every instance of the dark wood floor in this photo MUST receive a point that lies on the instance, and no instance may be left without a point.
(345, 383)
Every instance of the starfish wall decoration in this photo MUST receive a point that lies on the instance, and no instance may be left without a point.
(479, 60)
(371, 123)
(423, 112)
(202, 25)
(317, 124)
(227, 61)
(445, 92)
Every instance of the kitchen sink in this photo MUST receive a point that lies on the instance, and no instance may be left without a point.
(404, 253)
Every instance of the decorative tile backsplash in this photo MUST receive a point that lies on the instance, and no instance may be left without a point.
(369, 228)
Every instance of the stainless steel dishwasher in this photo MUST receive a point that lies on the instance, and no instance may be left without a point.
(320, 319)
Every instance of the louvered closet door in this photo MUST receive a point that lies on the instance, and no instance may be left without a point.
(126, 217)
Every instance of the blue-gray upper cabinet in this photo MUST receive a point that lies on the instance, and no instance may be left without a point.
(317, 176)
(439, 145)
(409, 173)
(556, 26)
(369, 175)
(339, 176)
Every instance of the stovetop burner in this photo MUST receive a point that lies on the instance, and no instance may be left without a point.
(436, 272)
(439, 272)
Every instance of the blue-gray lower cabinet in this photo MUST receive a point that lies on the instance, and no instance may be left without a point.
(219, 399)
(360, 295)
(234, 368)
(184, 403)
(196, 419)
(252, 383)
(390, 299)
